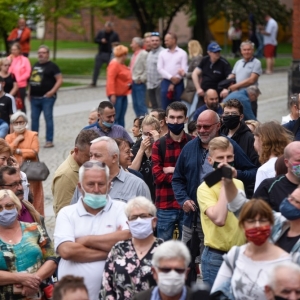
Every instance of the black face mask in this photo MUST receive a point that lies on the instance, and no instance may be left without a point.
(231, 121)
(279, 298)
(216, 164)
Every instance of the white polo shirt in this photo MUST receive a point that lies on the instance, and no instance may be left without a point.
(73, 222)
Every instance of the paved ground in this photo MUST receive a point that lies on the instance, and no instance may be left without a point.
(73, 106)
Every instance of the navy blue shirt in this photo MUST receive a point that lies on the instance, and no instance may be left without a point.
(290, 126)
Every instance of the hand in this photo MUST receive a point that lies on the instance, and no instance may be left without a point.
(30, 280)
(155, 135)
(169, 170)
(27, 291)
(200, 92)
(138, 81)
(48, 95)
(234, 171)
(171, 87)
(113, 99)
(19, 139)
(103, 40)
(145, 144)
(224, 93)
(181, 72)
(189, 205)
(14, 162)
(175, 80)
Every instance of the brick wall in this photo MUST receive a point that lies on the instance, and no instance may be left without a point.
(79, 30)
(296, 29)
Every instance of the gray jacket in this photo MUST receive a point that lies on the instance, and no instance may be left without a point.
(139, 68)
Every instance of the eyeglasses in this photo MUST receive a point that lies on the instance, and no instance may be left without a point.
(290, 197)
(205, 127)
(14, 184)
(7, 206)
(260, 221)
(154, 33)
(142, 216)
(90, 164)
(167, 270)
(19, 123)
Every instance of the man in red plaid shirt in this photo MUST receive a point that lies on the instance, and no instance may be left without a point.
(165, 152)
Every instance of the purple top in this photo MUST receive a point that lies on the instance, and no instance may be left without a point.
(115, 132)
(24, 215)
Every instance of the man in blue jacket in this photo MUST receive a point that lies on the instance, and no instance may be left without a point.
(192, 166)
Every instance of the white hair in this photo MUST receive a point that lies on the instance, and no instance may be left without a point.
(93, 164)
(273, 272)
(171, 250)
(247, 43)
(139, 41)
(140, 202)
(18, 114)
(112, 146)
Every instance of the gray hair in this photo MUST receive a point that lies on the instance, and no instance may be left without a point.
(95, 164)
(249, 43)
(44, 47)
(138, 41)
(18, 114)
(253, 89)
(274, 271)
(109, 24)
(171, 250)
(140, 202)
(112, 146)
(95, 109)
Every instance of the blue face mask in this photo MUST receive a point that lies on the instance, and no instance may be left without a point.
(108, 125)
(94, 201)
(7, 217)
(288, 210)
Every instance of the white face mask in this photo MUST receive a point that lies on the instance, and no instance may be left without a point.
(0, 87)
(19, 128)
(141, 228)
(170, 283)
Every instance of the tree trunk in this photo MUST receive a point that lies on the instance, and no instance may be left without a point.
(201, 30)
(92, 24)
(55, 25)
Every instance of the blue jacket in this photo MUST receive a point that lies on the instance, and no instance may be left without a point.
(290, 126)
(186, 177)
(243, 97)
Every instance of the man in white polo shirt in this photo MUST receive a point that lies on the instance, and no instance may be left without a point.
(85, 232)
(246, 72)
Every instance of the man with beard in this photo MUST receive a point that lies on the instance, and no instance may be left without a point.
(192, 165)
(211, 100)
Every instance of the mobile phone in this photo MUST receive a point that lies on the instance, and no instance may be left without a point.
(216, 175)
(10, 161)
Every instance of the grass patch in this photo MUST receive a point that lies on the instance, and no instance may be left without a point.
(70, 84)
(63, 45)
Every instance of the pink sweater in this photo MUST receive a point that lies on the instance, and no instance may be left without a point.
(21, 68)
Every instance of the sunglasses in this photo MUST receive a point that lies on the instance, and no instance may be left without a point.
(167, 270)
(205, 127)
(154, 33)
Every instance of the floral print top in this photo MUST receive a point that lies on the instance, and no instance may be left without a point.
(125, 274)
(26, 256)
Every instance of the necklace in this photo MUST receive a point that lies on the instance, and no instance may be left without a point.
(10, 241)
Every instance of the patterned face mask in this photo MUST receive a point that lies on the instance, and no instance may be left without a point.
(296, 170)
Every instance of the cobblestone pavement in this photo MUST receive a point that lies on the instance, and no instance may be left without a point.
(71, 114)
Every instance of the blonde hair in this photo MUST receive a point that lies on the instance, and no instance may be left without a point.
(2, 60)
(195, 48)
(254, 123)
(12, 196)
(219, 142)
(149, 120)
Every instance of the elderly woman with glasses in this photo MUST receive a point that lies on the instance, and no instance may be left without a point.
(128, 266)
(27, 256)
(25, 146)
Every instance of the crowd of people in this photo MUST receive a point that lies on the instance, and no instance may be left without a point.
(229, 188)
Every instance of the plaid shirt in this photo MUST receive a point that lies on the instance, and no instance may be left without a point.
(165, 198)
(153, 77)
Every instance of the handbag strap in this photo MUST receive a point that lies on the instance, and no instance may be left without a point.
(36, 154)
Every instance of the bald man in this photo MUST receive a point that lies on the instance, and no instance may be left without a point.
(211, 100)
(192, 165)
(21, 35)
(274, 190)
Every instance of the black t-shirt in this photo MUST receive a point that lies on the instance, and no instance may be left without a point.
(287, 243)
(212, 74)
(9, 83)
(5, 108)
(42, 78)
(274, 190)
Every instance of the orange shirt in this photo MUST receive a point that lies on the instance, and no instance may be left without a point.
(24, 39)
(118, 79)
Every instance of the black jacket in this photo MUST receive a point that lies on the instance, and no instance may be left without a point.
(245, 139)
(146, 295)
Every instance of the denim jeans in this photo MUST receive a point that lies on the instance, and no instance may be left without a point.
(139, 99)
(210, 265)
(120, 107)
(3, 129)
(166, 220)
(44, 105)
(191, 106)
(178, 90)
